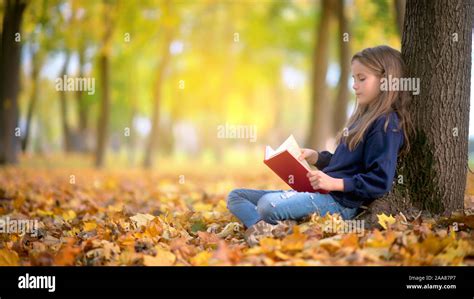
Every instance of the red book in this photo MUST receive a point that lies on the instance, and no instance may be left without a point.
(284, 162)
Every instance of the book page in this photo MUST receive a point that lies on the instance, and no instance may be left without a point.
(293, 148)
(268, 152)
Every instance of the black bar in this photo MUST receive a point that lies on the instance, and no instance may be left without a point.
(191, 282)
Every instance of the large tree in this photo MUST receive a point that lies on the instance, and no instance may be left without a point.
(436, 47)
(10, 49)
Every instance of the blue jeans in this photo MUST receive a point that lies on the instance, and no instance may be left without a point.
(250, 206)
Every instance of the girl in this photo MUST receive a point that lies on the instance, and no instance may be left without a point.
(361, 169)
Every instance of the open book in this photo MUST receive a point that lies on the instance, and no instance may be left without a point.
(284, 162)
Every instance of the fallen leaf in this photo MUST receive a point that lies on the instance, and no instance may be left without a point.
(89, 226)
(69, 215)
(9, 257)
(201, 259)
(385, 220)
(141, 219)
(294, 241)
(163, 258)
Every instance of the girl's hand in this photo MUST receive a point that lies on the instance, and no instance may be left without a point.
(310, 155)
(320, 180)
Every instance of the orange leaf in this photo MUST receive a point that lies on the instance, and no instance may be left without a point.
(9, 257)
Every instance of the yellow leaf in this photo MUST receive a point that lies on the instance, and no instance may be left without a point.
(221, 206)
(270, 245)
(434, 245)
(295, 241)
(201, 259)
(73, 232)
(281, 255)
(163, 258)
(116, 207)
(8, 257)
(350, 240)
(385, 220)
(203, 207)
(454, 254)
(128, 257)
(69, 215)
(331, 244)
(44, 213)
(88, 226)
(126, 240)
(380, 240)
(154, 228)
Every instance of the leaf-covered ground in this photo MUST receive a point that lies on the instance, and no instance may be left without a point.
(135, 217)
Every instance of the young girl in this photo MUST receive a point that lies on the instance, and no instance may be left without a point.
(361, 169)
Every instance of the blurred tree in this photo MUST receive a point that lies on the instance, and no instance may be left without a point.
(64, 106)
(344, 66)
(36, 65)
(81, 26)
(168, 26)
(108, 18)
(320, 120)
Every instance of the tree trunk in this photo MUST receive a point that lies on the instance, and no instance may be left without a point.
(131, 140)
(63, 105)
(81, 104)
(400, 14)
(319, 119)
(153, 138)
(436, 47)
(344, 62)
(103, 123)
(10, 80)
(36, 65)
(104, 112)
(165, 56)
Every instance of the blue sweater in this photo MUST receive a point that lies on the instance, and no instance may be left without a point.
(369, 170)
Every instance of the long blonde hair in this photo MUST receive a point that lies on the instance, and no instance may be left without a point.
(383, 61)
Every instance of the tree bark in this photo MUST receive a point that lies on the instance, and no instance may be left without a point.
(320, 123)
(10, 50)
(436, 47)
